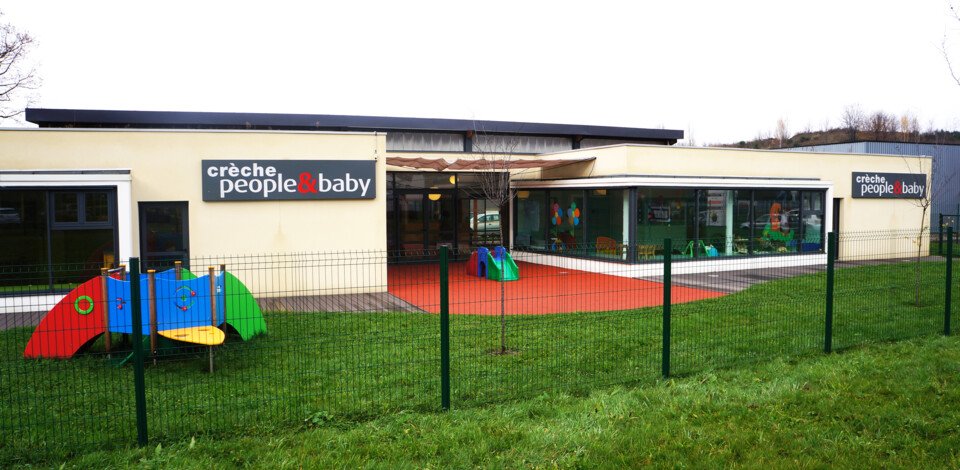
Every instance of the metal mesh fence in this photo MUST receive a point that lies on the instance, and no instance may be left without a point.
(50, 406)
(337, 344)
(567, 324)
(252, 344)
(894, 296)
(773, 305)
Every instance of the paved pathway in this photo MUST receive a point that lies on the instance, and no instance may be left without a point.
(736, 281)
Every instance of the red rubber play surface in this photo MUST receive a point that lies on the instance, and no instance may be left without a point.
(540, 290)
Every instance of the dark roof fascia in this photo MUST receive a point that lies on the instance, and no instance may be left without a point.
(205, 120)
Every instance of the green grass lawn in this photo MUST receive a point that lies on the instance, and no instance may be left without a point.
(935, 248)
(890, 405)
(345, 372)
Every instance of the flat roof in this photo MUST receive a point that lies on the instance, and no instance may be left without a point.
(45, 117)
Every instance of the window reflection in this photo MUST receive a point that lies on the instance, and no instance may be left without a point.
(607, 229)
(702, 223)
(812, 224)
(60, 237)
(776, 222)
(96, 207)
(65, 207)
(666, 213)
(566, 218)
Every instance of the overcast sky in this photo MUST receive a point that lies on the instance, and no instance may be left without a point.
(720, 71)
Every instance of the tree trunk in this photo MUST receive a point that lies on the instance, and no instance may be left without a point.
(918, 276)
(918, 270)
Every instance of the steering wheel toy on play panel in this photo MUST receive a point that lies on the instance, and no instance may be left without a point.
(496, 266)
(178, 308)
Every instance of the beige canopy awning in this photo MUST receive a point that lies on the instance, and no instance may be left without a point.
(462, 164)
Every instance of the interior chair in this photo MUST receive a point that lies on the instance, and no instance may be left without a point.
(607, 246)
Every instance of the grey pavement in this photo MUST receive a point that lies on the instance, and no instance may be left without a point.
(736, 281)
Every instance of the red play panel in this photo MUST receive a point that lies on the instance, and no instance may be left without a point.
(540, 290)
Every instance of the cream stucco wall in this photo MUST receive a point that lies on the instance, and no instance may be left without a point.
(166, 166)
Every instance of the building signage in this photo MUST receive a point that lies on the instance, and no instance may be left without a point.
(889, 185)
(276, 180)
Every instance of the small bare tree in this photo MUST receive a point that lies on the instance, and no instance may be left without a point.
(17, 78)
(497, 154)
(936, 184)
(943, 45)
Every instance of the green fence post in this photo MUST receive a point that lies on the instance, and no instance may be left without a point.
(139, 386)
(940, 235)
(444, 330)
(828, 320)
(949, 283)
(667, 249)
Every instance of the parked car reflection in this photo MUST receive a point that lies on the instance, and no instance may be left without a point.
(788, 220)
(9, 215)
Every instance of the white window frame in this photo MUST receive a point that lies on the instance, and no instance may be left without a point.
(119, 179)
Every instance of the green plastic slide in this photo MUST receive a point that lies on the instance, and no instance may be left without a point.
(243, 313)
(502, 269)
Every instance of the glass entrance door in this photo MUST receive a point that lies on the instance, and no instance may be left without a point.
(410, 222)
(425, 220)
(441, 220)
(164, 235)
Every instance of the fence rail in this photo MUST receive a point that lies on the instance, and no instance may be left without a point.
(947, 223)
(310, 338)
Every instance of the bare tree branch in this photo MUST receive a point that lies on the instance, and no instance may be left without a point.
(17, 78)
(946, 58)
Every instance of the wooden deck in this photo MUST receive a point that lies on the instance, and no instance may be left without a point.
(370, 302)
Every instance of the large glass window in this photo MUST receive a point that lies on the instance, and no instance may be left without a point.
(427, 209)
(666, 213)
(84, 251)
(812, 224)
(479, 222)
(164, 235)
(742, 226)
(391, 216)
(776, 221)
(66, 207)
(606, 229)
(81, 209)
(23, 236)
(531, 219)
(421, 180)
(700, 222)
(717, 220)
(96, 207)
(56, 239)
(566, 217)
